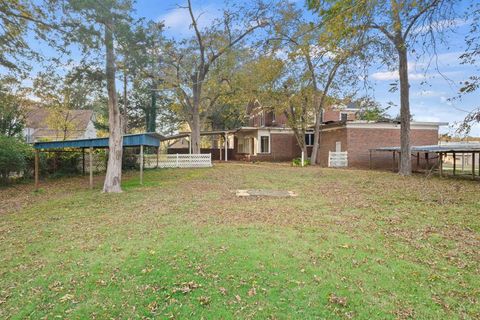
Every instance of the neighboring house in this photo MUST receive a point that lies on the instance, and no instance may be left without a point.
(45, 124)
(181, 143)
(268, 137)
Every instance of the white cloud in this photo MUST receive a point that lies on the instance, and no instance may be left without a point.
(430, 93)
(442, 25)
(444, 99)
(178, 22)
(393, 75)
(449, 58)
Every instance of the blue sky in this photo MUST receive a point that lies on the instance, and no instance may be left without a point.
(430, 91)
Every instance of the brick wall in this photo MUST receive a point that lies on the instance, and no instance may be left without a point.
(280, 120)
(284, 147)
(334, 115)
(360, 140)
(331, 115)
(328, 140)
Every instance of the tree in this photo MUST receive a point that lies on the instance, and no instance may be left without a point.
(192, 60)
(13, 156)
(17, 20)
(371, 110)
(63, 122)
(398, 24)
(326, 60)
(99, 23)
(12, 109)
(471, 56)
(80, 89)
(140, 63)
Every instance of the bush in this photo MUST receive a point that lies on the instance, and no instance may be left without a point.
(13, 157)
(129, 161)
(59, 164)
(297, 162)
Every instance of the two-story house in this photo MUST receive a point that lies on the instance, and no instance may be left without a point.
(268, 137)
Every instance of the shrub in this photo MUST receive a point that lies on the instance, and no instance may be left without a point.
(297, 162)
(13, 157)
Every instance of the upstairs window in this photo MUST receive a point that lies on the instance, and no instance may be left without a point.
(262, 119)
(264, 144)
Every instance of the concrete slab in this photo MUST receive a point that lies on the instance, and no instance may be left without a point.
(264, 193)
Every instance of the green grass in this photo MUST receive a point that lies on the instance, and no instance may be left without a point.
(353, 244)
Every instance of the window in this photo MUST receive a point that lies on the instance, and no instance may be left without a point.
(264, 144)
(262, 119)
(274, 116)
(338, 146)
(343, 117)
(309, 138)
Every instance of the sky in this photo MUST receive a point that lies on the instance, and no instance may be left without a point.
(431, 88)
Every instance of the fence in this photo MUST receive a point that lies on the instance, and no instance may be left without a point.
(338, 159)
(178, 160)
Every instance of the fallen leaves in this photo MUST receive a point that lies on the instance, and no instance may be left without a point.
(56, 286)
(222, 290)
(186, 287)
(67, 297)
(204, 301)
(337, 300)
(153, 306)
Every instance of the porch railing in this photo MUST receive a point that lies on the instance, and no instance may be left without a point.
(203, 160)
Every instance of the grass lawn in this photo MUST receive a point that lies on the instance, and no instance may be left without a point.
(353, 244)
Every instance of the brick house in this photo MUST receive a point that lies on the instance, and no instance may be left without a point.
(268, 137)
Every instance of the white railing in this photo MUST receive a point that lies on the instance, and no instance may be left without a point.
(178, 160)
(338, 159)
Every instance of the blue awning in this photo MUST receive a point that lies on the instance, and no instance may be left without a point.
(129, 140)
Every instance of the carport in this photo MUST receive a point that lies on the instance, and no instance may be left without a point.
(223, 134)
(130, 140)
(442, 151)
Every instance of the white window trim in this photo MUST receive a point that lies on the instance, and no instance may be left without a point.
(269, 144)
(313, 138)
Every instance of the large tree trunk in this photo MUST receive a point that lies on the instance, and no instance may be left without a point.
(195, 117)
(195, 127)
(316, 138)
(125, 100)
(319, 109)
(113, 177)
(152, 118)
(405, 157)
